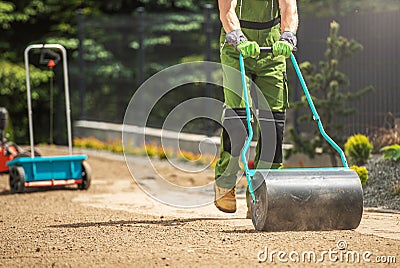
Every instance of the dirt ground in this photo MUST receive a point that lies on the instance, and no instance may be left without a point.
(115, 224)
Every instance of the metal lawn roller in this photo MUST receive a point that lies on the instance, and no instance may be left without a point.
(49, 171)
(300, 199)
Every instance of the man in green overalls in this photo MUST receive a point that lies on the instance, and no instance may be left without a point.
(247, 26)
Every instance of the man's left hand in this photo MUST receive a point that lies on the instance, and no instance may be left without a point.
(287, 42)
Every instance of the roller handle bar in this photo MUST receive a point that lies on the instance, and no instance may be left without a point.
(266, 49)
(269, 49)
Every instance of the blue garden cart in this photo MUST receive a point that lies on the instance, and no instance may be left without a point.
(48, 171)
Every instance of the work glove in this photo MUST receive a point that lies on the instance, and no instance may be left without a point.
(249, 49)
(245, 47)
(287, 42)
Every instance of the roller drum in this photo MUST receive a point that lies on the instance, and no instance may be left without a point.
(299, 200)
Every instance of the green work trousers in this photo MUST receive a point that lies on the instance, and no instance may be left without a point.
(269, 75)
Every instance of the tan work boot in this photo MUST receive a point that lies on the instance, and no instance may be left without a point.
(225, 199)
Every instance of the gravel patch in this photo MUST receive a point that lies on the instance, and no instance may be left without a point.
(383, 175)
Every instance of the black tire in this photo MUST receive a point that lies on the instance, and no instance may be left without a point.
(36, 152)
(86, 176)
(17, 179)
(28, 154)
(20, 155)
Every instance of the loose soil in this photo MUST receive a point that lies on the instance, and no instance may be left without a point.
(115, 224)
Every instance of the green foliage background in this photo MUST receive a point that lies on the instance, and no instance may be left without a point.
(174, 34)
(107, 69)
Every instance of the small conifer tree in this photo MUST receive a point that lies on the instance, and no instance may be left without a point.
(329, 89)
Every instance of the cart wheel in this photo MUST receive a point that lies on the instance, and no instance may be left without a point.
(28, 154)
(36, 152)
(20, 155)
(17, 179)
(86, 176)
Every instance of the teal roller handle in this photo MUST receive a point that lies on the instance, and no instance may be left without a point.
(316, 117)
(315, 114)
(249, 128)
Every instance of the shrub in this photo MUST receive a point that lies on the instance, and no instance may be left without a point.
(384, 137)
(208, 160)
(358, 148)
(391, 152)
(164, 153)
(79, 142)
(188, 156)
(362, 173)
(133, 150)
(91, 143)
(115, 146)
(151, 149)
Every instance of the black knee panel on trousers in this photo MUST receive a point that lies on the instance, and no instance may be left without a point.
(272, 125)
(234, 132)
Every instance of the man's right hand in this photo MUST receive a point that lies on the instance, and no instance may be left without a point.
(249, 49)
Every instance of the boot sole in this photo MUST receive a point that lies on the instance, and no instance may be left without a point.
(223, 209)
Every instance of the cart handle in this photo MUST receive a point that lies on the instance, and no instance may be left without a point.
(66, 89)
